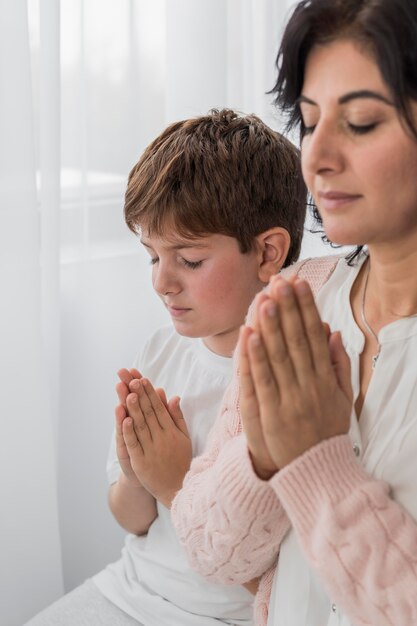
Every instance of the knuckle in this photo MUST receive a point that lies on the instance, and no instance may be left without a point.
(140, 426)
(279, 355)
(148, 412)
(265, 381)
(297, 342)
(315, 330)
(132, 443)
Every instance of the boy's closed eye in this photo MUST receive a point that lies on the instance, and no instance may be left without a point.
(190, 264)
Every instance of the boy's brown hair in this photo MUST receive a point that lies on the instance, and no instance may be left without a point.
(221, 173)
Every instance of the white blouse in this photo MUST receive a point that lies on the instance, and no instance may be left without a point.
(385, 441)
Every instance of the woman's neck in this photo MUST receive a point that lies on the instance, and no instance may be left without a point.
(391, 286)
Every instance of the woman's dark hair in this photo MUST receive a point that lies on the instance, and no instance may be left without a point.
(386, 28)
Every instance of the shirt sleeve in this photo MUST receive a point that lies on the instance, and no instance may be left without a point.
(361, 542)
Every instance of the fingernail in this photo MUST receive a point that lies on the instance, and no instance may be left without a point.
(271, 309)
(302, 287)
(284, 289)
(255, 339)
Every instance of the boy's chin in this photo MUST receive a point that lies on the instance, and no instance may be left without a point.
(186, 332)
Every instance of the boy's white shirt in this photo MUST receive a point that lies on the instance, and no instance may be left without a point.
(152, 581)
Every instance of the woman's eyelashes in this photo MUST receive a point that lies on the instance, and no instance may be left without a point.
(355, 129)
(362, 129)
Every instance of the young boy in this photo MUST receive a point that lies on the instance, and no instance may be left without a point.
(219, 204)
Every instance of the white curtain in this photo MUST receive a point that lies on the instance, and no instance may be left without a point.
(30, 553)
(85, 85)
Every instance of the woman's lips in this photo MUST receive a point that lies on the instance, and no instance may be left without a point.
(336, 199)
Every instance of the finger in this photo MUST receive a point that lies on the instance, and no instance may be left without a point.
(264, 380)
(326, 329)
(120, 414)
(140, 423)
(341, 364)
(161, 393)
(135, 373)
(133, 443)
(293, 331)
(122, 452)
(122, 391)
(249, 408)
(149, 412)
(276, 280)
(261, 297)
(125, 376)
(159, 409)
(177, 415)
(274, 343)
(318, 342)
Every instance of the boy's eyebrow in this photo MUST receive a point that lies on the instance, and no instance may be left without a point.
(353, 95)
(178, 246)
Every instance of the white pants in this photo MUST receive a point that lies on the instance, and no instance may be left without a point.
(84, 606)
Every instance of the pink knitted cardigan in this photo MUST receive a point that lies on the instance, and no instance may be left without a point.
(231, 523)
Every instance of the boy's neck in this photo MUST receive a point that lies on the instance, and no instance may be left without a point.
(223, 344)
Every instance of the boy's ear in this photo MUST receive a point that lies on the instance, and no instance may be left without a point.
(273, 246)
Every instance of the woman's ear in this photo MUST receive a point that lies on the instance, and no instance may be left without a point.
(272, 246)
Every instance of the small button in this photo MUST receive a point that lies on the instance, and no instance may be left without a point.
(356, 449)
(334, 608)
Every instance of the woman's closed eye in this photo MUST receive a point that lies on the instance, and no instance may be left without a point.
(361, 129)
(355, 129)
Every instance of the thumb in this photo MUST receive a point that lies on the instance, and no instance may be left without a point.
(341, 364)
(177, 416)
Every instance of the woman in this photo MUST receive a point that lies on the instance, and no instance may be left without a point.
(324, 474)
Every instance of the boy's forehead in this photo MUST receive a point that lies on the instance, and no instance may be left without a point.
(174, 240)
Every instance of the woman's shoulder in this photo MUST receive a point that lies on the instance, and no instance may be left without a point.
(316, 271)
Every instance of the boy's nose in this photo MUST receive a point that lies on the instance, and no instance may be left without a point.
(164, 281)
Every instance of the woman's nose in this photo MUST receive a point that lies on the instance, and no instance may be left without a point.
(321, 151)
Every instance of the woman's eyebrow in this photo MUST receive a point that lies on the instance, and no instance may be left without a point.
(304, 99)
(364, 93)
(353, 95)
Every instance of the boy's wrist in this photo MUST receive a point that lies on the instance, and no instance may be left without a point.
(131, 482)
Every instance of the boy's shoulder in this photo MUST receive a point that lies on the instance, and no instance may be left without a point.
(159, 349)
(167, 349)
(163, 339)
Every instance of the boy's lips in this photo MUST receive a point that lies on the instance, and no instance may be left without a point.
(176, 311)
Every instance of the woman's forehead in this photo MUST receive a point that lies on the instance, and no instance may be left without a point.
(340, 67)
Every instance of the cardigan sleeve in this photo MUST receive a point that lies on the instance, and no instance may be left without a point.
(229, 522)
(361, 542)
